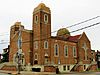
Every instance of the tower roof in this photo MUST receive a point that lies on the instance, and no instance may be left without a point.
(42, 6)
(17, 24)
(63, 31)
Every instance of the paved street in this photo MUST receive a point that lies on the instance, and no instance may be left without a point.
(85, 73)
(2, 72)
(47, 73)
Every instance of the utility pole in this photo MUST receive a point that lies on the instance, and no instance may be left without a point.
(19, 53)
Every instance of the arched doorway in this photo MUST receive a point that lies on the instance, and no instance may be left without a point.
(35, 62)
(36, 58)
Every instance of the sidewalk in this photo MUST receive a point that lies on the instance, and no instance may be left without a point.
(26, 72)
(8, 72)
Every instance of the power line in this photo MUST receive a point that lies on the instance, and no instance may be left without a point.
(59, 35)
(72, 25)
(68, 26)
(4, 42)
(83, 22)
(57, 30)
(3, 34)
(79, 23)
(85, 27)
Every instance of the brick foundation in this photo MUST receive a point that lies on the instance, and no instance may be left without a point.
(93, 67)
(9, 68)
(49, 69)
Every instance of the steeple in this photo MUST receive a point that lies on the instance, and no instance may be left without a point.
(42, 21)
(41, 30)
(42, 6)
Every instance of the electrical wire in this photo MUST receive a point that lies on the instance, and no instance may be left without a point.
(79, 23)
(69, 26)
(28, 41)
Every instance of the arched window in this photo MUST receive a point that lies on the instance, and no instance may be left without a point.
(45, 44)
(66, 50)
(45, 18)
(36, 56)
(74, 51)
(36, 19)
(56, 50)
(36, 45)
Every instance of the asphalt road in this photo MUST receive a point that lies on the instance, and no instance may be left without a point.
(83, 73)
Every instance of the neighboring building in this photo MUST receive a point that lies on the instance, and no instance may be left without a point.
(0, 57)
(98, 58)
(93, 57)
(5, 55)
(41, 50)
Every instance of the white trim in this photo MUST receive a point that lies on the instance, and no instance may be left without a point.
(36, 55)
(37, 11)
(39, 66)
(45, 20)
(68, 67)
(36, 45)
(64, 68)
(61, 69)
(57, 50)
(66, 46)
(36, 19)
(45, 42)
(84, 46)
(74, 48)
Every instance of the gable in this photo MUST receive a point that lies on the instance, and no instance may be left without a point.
(84, 37)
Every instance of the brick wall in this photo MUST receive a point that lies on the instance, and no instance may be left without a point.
(81, 52)
(49, 69)
(26, 45)
(64, 60)
(93, 67)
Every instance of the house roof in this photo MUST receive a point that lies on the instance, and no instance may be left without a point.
(70, 38)
(73, 38)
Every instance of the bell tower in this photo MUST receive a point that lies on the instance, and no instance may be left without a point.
(41, 30)
(42, 22)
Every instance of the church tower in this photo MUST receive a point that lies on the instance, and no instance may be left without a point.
(41, 31)
(13, 39)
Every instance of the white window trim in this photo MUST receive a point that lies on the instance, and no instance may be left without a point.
(75, 51)
(55, 52)
(46, 60)
(35, 19)
(46, 21)
(45, 43)
(36, 55)
(36, 45)
(65, 67)
(84, 67)
(65, 51)
(69, 67)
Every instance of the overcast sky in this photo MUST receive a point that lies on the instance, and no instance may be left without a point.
(63, 12)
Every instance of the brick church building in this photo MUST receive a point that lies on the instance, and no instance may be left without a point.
(41, 50)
